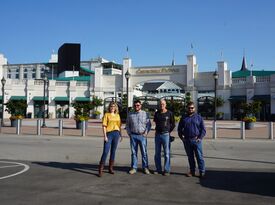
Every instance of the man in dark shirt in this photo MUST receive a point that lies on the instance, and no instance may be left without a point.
(165, 123)
(191, 131)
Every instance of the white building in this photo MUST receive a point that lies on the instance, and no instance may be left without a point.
(102, 78)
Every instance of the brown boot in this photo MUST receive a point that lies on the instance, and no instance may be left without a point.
(100, 169)
(111, 167)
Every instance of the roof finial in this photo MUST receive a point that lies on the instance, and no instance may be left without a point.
(173, 60)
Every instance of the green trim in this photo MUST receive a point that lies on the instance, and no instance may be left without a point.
(237, 98)
(76, 78)
(82, 99)
(1, 97)
(58, 99)
(18, 98)
(87, 70)
(241, 74)
(40, 98)
(261, 97)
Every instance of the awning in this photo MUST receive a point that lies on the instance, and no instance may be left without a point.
(59, 99)
(18, 98)
(261, 97)
(82, 99)
(39, 98)
(235, 98)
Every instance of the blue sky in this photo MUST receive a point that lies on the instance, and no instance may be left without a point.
(152, 29)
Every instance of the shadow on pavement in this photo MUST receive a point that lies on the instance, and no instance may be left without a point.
(261, 183)
(91, 169)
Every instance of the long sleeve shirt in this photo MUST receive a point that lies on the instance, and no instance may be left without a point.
(138, 123)
(191, 127)
(165, 122)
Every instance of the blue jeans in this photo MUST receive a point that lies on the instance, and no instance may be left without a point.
(164, 141)
(113, 138)
(140, 140)
(193, 149)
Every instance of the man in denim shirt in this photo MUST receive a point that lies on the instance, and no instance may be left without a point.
(191, 131)
(138, 125)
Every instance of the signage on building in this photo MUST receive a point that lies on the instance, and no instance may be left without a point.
(161, 70)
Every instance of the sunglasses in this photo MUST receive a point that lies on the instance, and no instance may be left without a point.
(190, 108)
(137, 105)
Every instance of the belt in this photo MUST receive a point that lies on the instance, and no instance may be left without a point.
(134, 133)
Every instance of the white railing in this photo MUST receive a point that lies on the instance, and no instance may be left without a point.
(238, 80)
(262, 79)
(61, 83)
(38, 82)
(82, 83)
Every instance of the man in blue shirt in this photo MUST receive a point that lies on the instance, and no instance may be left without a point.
(138, 125)
(191, 131)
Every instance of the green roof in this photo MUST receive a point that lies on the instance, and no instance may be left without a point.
(240, 73)
(18, 98)
(261, 97)
(58, 99)
(87, 70)
(237, 98)
(82, 99)
(76, 78)
(40, 98)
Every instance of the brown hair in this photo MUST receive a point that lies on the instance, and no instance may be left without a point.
(190, 103)
(116, 107)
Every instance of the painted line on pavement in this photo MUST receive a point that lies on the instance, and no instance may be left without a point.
(16, 164)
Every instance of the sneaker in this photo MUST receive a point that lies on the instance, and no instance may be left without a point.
(190, 174)
(157, 172)
(146, 171)
(166, 174)
(132, 171)
(202, 175)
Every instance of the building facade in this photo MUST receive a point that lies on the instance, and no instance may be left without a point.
(106, 79)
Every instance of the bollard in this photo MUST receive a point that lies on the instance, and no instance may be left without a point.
(83, 128)
(242, 130)
(60, 127)
(18, 124)
(214, 130)
(38, 128)
(271, 136)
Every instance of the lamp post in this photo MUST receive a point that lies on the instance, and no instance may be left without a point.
(3, 81)
(44, 100)
(127, 76)
(216, 76)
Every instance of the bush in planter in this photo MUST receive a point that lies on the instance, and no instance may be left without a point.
(17, 109)
(96, 114)
(219, 115)
(249, 119)
(81, 113)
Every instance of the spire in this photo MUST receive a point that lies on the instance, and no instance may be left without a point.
(173, 60)
(244, 67)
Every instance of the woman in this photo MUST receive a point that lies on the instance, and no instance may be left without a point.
(111, 125)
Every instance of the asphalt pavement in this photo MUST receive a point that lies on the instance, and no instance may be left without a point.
(63, 170)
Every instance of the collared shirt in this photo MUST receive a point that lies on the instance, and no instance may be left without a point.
(111, 121)
(138, 123)
(191, 126)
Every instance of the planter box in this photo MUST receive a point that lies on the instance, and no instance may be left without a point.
(79, 124)
(14, 123)
(249, 125)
